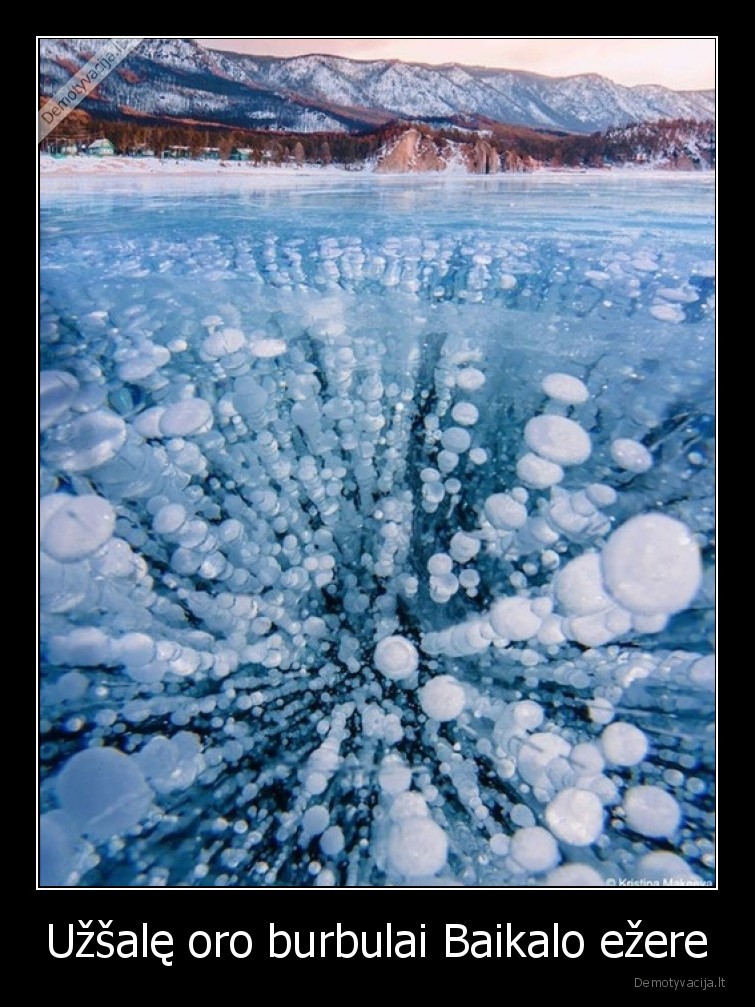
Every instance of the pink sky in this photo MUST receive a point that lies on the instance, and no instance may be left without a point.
(677, 62)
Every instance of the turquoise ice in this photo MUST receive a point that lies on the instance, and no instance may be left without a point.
(377, 530)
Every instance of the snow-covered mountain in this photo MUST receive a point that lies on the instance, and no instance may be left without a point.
(176, 79)
(409, 90)
(179, 78)
(681, 145)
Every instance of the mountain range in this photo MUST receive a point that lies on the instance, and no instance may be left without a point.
(166, 79)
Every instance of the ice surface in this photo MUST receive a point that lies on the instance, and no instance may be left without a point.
(350, 573)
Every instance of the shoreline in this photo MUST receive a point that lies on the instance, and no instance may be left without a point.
(119, 167)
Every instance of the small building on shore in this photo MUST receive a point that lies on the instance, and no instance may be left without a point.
(242, 154)
(101, 148)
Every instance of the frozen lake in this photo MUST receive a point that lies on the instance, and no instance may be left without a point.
(377, 530)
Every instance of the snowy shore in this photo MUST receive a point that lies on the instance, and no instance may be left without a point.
(110, 167)
(82, 165)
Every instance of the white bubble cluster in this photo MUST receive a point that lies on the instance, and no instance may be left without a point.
(337, 588)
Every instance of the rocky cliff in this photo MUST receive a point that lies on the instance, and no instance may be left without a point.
(511, 161)
(418, 151)
(482, 158)
(411, 151)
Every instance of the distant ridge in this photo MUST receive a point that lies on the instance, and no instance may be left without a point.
(178, 78)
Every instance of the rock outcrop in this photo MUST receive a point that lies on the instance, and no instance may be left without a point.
(413, 151)
(481, 158)
(518, 162)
